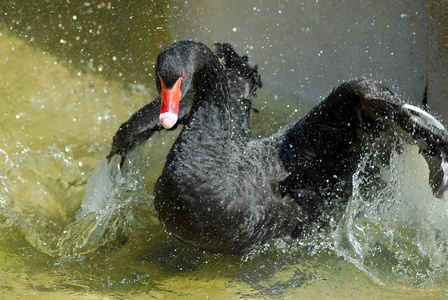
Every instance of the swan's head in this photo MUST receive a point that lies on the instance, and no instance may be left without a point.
(174, 72)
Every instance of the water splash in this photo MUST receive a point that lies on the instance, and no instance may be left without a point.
(32, 183)
(395, 229)
(107, 211)
(46, 194)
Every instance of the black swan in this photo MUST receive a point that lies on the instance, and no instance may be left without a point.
(224, 191)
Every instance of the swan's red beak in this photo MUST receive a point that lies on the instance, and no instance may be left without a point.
(170, 104)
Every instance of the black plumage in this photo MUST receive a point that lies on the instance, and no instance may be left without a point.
(222, 190)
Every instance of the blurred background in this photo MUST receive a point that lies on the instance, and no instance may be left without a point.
(72, 71)
(304, 47)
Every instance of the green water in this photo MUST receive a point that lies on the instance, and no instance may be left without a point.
(70, 74)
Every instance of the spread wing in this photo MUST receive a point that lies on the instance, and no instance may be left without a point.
(327, 144)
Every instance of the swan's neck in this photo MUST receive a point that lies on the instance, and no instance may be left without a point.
(210, 84)
(212, 112)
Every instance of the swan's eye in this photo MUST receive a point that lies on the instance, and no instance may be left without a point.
(183, 74)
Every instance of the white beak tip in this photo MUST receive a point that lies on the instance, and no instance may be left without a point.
(168, 120)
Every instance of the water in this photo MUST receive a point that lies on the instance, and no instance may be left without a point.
(397, 232)
(68, 229)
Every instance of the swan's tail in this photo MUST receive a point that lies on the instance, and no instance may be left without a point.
(243, 79)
